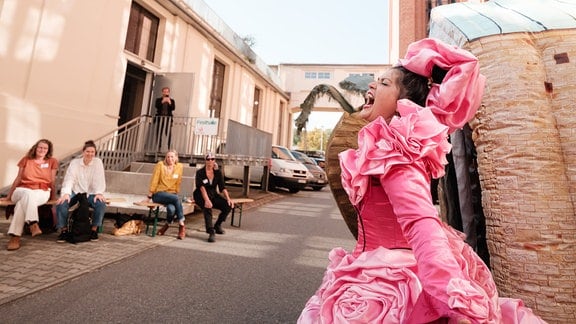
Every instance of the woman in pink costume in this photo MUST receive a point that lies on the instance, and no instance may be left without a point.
(409, 267)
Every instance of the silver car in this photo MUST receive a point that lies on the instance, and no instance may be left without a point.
(318, 179)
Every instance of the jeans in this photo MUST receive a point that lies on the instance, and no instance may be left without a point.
(172, 203)
(62, 210)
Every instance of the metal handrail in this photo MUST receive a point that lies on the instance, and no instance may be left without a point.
(145, 138)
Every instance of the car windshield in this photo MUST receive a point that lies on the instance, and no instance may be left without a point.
(303, 158)
(281, 153)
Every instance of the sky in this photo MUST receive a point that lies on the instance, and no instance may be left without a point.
(311, 31)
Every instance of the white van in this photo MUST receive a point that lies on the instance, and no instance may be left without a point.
(285, 171)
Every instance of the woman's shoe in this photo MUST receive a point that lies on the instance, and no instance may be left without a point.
(35, 229)
(181, 232)
(14, 243)
(163, 230)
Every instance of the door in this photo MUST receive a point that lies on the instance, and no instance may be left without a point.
(132, 94)
(176, 131)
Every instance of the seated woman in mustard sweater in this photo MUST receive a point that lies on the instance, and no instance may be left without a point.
(164, 188)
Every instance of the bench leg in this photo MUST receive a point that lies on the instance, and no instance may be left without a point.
(156, 212)
(239, 207)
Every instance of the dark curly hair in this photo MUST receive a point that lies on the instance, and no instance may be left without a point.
(32, 151)
(416, 87)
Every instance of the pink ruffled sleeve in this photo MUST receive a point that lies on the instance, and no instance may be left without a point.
(458, 97)
(415, 136)
(447, 287)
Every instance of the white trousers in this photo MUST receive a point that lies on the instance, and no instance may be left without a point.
(26, 209)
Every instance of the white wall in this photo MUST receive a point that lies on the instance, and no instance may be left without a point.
(63, 67)
(62, 74)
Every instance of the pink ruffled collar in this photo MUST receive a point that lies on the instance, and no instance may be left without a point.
(415, 137)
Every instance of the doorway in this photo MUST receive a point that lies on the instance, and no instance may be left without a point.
(132, 94)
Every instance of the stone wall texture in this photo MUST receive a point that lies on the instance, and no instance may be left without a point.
(525, 138)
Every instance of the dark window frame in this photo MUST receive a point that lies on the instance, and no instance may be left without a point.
(136, 32)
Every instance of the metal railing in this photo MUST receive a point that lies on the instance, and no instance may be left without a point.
(146, 138)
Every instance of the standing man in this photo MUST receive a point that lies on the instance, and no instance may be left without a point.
(165, 105)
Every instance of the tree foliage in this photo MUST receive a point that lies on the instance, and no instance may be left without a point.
(354, 84)
(249, 40)
(313, 140)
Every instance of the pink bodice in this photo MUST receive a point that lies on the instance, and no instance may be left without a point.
(377, 223)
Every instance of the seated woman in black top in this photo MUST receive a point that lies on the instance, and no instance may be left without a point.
(208, 194)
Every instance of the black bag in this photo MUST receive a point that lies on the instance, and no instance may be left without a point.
(79, 222)
(122, 219)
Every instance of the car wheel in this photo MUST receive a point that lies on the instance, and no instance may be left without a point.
(293, 190)
(317, 188)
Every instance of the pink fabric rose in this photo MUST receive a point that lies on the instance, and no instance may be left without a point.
(377, 287)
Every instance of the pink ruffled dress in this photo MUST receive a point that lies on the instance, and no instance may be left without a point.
(409, 267)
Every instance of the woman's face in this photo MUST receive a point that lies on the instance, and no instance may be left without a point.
(171, 158)
(88, 154)
(41, 150)
(381, 97)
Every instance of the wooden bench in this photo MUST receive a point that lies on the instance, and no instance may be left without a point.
(239, 204)
(154, 213)
(6, 203)
(42, 219)
(51, 203)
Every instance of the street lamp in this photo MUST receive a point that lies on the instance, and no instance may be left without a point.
(321, 138)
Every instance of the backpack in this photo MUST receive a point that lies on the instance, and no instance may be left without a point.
(79, 222)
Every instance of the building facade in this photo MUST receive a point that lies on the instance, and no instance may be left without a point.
(75, 70)
(299, 79)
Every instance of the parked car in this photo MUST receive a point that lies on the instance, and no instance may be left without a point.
(285, 171)
(317, 156)
(318, 179)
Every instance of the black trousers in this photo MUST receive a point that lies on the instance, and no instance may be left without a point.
(218, 202)
(163, 126)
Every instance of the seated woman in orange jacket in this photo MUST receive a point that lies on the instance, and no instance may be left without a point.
(33, 187)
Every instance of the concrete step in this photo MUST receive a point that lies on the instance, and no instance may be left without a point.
(145, 167)
(137, 183)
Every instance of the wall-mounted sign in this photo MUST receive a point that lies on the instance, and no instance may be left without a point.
(206, 126)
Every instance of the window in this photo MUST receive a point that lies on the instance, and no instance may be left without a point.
(256, 108)
(310, 75)
(317, 75)
(281, 121)
(217, 92)
(362, 74)
(142, 32)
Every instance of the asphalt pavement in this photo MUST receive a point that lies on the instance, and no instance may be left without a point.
(262, 272)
